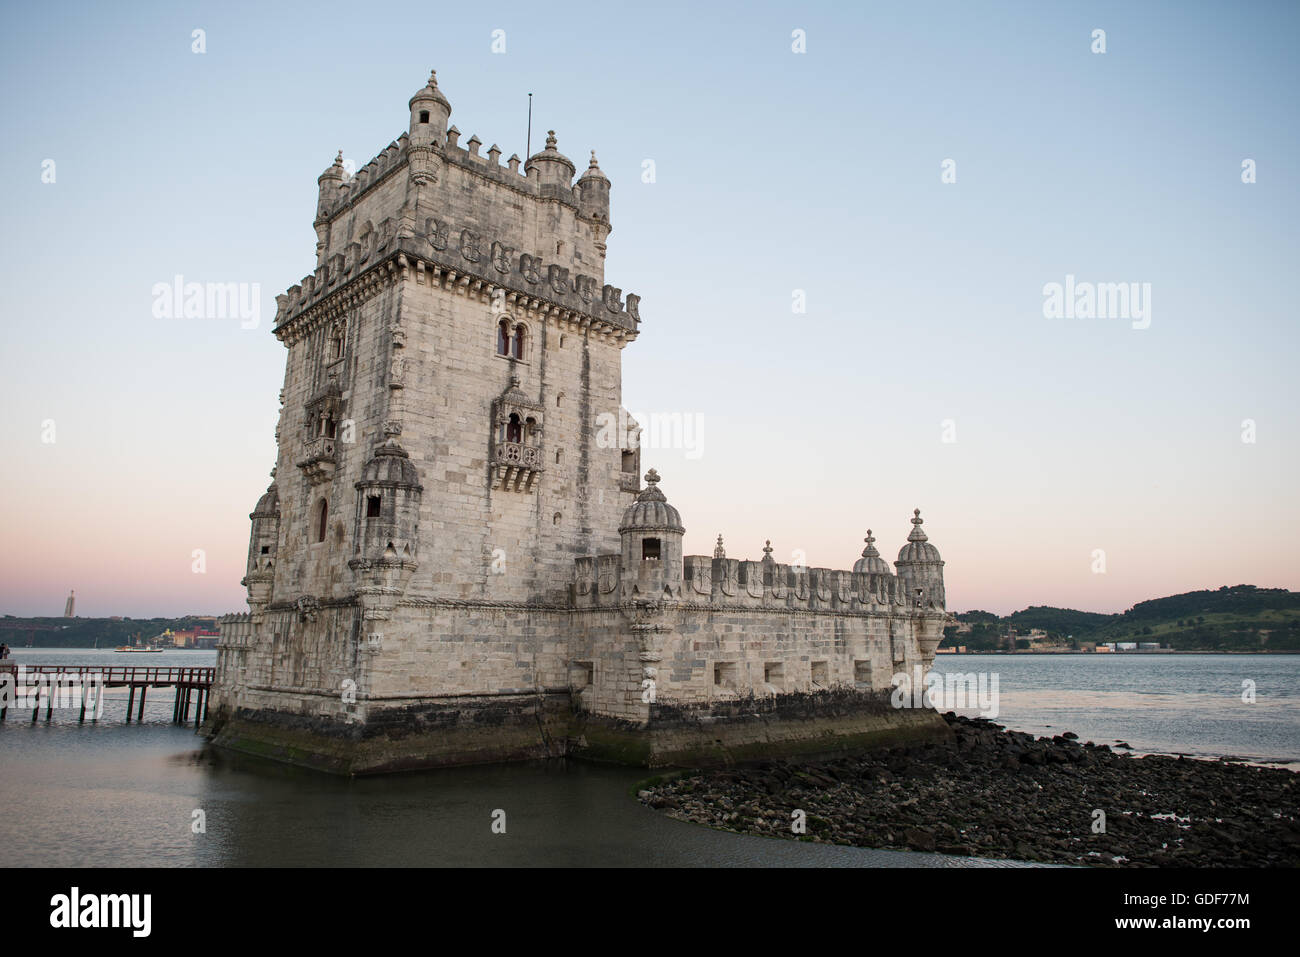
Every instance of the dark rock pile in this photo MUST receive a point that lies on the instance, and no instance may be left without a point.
(995, 793)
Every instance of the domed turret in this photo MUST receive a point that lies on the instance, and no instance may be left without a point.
(429, 114)
(871, 563)
(652, 531)
(388, 510)
(261, 548)
(593, 194)
(921, 568)
(328, 184)
(550, 166)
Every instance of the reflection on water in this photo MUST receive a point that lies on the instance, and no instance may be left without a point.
(117, 794)
(1177, 704)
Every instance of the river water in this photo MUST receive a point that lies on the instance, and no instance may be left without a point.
(108, 793)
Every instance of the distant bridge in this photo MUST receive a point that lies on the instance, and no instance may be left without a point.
(50, 684)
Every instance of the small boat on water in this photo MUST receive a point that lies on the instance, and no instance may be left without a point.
(142, 651)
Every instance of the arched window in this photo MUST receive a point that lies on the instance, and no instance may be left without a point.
(322, 520)
(503, 338)
(520, 332)
(530, 430)
(331, 427)
(513, 429)
(336, 344)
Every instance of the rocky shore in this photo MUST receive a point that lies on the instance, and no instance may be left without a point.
(995, 793)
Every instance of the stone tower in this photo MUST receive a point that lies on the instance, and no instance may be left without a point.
(455, 563)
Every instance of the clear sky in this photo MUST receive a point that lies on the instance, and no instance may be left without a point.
(775, 171)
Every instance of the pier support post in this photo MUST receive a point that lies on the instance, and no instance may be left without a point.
(130, 704)
(139, 717)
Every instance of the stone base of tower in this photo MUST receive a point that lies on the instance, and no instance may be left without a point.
(489, 730)
(788, 726)
(431, 734)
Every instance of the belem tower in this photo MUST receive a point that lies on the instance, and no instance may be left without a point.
(453, 564)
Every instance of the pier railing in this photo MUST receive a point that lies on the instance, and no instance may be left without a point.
(42, 684)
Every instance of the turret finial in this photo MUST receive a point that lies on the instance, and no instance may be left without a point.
(918, 533)
(719, 552)
(550, 139)
(767, 551)
(593, 161)
(338, 160)
(652, 477)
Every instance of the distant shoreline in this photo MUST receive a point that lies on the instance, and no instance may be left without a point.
(1113, 654)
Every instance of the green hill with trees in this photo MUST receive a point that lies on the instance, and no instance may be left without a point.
(1231, 618)
(83, 632)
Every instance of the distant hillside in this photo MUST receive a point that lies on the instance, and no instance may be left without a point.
(83, 632)
(1231, 618)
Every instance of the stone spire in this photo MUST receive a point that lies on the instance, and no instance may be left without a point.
(719, 552)
(917, 534)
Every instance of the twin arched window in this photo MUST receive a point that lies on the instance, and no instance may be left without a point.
(510, 342)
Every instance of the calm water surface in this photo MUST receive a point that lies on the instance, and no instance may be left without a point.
(1171, 704)
(117, 794)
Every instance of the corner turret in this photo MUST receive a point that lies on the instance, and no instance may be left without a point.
(261, 549)
(430, 111)
(328, 184)
(550, 167)
(652, 532)
(387, 529)
(921, 569)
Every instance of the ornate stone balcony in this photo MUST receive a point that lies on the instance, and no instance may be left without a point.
(319, 461)
(515, 466)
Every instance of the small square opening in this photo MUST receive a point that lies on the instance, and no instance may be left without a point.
(650, 549)
(424, 116)
(774, 674)
(724, 674)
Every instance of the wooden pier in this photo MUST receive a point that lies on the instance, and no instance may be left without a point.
(193, 687)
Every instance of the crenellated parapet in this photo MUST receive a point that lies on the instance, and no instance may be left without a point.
(651, 567)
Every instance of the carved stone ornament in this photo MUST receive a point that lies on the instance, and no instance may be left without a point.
(308, 607)
(438, 231)
(502, 256)
(530, 268)
(469, 245)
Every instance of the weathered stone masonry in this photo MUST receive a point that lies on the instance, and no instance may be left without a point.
(451, 566)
